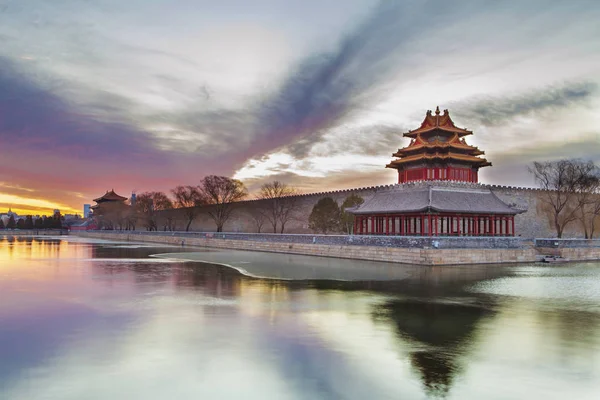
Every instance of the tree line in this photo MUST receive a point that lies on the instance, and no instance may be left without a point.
(216, 197)
(278, 206)
(46, 222)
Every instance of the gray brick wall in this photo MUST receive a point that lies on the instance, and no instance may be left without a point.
(533, 223)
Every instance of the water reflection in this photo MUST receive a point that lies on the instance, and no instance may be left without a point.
(100, 320)
(441, 334)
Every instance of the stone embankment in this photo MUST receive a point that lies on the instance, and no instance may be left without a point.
(407, 250)
(33, 232)
(570, 249)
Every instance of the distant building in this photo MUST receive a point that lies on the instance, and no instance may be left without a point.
(110, 210)
(110, 197)
(86, 210)
(132, 200)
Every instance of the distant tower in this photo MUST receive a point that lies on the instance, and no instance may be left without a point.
(132, 200)
(86, 210)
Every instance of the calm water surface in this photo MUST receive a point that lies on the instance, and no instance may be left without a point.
(100, 320)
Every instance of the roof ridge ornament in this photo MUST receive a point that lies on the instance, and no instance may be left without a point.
(437, 110)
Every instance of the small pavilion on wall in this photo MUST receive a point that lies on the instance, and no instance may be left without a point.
(438, 192)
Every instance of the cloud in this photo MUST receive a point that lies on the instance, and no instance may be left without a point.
(338, 180)
(97, 98)
(58, 147)
(33, 117)
(498, 110)
(324, 89)
(510, 167)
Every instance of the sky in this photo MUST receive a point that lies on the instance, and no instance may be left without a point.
(144, 95)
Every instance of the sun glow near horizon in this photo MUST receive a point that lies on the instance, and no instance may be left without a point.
(32, 206)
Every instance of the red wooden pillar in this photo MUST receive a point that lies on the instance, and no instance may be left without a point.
(429, 225)
(493, 220)
(513, 224)
(402, 221)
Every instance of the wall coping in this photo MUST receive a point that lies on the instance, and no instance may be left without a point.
(386, 241)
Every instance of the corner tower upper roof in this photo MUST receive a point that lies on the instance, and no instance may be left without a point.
(110, 196)
(434, 122)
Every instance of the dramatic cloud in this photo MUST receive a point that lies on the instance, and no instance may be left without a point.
(96, 95)
(497, 111)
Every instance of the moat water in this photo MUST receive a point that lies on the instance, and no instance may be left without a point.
(84, 319)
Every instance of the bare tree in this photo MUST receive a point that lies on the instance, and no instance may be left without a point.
(132, 217)
(148, 204)
(588, 201)
(257, 214)
(594, 214)
(562, 180)
(112, 215)
(222, 192)
(189, 198)
(279, 202)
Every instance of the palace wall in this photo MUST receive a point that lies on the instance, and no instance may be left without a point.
(532, 223)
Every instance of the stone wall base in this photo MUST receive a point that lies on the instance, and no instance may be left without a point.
(372, 253)
(572, 253)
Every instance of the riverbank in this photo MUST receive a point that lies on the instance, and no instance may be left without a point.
(416, 251)
(33, 232)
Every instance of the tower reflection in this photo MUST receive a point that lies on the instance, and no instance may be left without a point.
(440, 333)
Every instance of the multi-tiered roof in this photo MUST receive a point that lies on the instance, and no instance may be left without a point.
(438, 151)
(110, 196)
